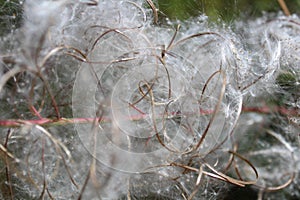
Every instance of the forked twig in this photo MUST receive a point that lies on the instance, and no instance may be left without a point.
(153, 114)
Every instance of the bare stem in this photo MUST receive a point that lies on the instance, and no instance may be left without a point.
(103, 119)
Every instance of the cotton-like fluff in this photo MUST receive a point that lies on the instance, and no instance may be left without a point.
(110, 104)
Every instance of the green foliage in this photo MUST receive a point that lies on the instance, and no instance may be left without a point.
(225, 10)
(286, 81)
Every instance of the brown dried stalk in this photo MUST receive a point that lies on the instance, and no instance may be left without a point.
(284, 7)
(154, 10)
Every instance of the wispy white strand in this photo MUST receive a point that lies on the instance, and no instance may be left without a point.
(121, 38)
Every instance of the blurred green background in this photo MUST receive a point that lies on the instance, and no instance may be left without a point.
(217, 10)
(226, 10)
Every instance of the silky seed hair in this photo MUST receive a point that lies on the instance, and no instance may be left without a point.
(101, 100)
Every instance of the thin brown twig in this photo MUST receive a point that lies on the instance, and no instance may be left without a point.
(154, 10)
(216, 109)
(154, 118)
(7, 167)
(43, 170)
(84, 186)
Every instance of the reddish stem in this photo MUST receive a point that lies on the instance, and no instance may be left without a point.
(62, 121)
(267, 110)
(36, 113)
